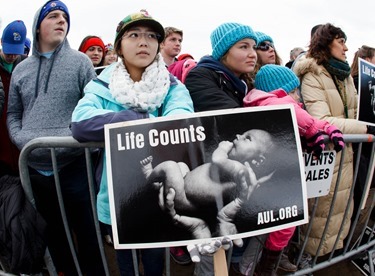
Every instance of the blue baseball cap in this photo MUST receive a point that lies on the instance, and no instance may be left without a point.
(13, 38)
(28, 43)
(27, 46)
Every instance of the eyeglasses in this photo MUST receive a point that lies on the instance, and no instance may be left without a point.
(136, 36)
(265, 46)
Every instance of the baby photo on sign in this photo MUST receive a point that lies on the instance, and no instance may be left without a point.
(233, 173)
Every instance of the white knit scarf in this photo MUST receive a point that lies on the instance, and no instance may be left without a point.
(145, 95)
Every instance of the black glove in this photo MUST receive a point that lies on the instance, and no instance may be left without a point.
(315, 144)
(371, 130)
(335, 135)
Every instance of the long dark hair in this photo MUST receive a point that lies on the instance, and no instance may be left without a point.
(319, 45)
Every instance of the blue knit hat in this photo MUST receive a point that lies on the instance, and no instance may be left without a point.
(263, 37)
(271, 77)
(228, 34)
(51, 6)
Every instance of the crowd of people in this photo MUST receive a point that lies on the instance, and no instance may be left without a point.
(49, 89)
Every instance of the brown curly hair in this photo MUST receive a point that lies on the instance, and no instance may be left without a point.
(319, 45)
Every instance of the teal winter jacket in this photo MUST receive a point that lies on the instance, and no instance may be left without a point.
(98, 107)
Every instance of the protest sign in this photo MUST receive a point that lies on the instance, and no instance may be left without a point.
(235, 172)
(366, 114)
(319, 173)
(366, 92)
(363, 262)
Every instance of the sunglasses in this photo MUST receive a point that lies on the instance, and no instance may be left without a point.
(265, 46)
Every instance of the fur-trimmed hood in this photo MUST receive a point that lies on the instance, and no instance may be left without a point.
(306, 65)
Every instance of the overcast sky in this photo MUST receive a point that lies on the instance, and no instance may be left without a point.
(288, 22)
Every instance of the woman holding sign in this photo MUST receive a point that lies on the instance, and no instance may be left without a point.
(329, 94)
(221, 80)
(137, 86)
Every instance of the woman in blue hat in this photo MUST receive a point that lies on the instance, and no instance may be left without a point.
(221, 80)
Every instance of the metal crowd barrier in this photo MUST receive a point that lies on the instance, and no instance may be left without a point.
(68, 142)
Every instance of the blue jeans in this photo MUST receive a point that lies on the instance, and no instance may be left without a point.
(152, 260)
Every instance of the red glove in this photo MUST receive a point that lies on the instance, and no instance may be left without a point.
(315, 144)
(336, 137)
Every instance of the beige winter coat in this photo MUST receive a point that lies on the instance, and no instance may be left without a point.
(323, 101)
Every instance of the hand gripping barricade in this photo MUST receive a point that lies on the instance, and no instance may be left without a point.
(356, 242)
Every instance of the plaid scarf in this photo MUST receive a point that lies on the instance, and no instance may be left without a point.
(338, 68)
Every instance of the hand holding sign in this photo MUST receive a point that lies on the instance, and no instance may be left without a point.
(209, 248)
(248, 183)
(197, 227)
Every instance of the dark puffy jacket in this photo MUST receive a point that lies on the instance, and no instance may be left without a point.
(22, 229)
(211, 90)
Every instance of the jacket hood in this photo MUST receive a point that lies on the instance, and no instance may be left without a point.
(217, 66)
(306, 65)
(100, 85)
(255, 96)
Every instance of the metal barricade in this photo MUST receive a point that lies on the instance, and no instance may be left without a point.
(68, 142)
(358, 246)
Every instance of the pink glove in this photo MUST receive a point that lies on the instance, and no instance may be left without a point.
(336, 137)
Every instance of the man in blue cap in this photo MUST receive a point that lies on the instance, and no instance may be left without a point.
(44, 90)
(12, 41)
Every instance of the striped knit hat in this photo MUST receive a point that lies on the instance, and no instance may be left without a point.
(271, 77)
(228, 34)
(263, 37)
